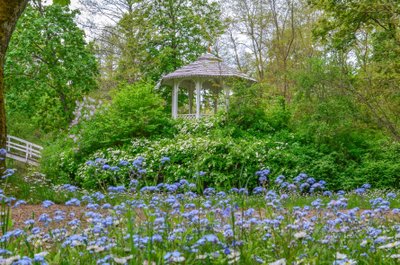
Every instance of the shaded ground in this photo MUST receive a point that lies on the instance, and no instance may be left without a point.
(24, 212)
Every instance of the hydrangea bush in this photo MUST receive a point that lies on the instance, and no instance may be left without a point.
(229, 155)
(227, 162)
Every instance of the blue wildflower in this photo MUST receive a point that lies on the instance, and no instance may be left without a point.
(165, 159)
(391, 195)
(73, 202)
(123, 163)
(47, 203)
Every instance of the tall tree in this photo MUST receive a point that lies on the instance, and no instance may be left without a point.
(367, 33)
(249, 25)
(274, 35)
(148, 38)
(186, 29)
(9, 14)
(49, 66)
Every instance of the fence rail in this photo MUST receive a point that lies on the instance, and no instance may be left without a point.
(192, 116)
(22, 150)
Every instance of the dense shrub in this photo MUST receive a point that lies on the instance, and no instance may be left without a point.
(225, 161)
(252, 110)
(135, 111)
(233, 161)
(227, 148)
(379, 166)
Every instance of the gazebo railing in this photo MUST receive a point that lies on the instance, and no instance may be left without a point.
(192, 116)
(187, 116)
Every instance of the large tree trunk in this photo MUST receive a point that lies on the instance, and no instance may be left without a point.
(10, 11)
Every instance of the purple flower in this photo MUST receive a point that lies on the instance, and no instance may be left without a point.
(360, 191)
(341, 192)
(29, 222)
(69, 187)
(73, 202)
(19, 202)
(123, 163)
(23, 261)
(44, 218)
(142, 171)
(8, 173)
(47, 203)
(114, 168)
(310, 180)
(90, 163)
(3, 152)
(391, 195)
(211, 238)
(258, 190)
(35, 230)
(284, 196)
(366, 186)
(243, 191)
(235, 190)
(263, 176)
(117, 189)
(137, 163)
(174, 256)
(304, 186)
(279, 179)
(300, 177)
(209, 191)
(165, 159)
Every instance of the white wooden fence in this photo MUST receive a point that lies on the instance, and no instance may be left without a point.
(24, 151)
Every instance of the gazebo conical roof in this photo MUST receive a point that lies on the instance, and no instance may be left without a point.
(206, 66)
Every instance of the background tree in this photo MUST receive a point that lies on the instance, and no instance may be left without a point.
(367, 35)
(49, 66)
(145, 39)
(9, 14)
(272, 38)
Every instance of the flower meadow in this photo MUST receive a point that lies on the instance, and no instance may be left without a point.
(281, 221)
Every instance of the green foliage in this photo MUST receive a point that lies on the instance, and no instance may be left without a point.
(325, 114)
(157, 37)
(379, 166)
(251, 110)
(321, 137)
(231, 161)
(343, 21)
(372, 41)
(135, 111)
(48, 68)
(62, 2)
(227, 162)
(60, 160)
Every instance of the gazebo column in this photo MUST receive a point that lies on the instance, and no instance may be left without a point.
(191, 100)
(175, 100)
(199, 85)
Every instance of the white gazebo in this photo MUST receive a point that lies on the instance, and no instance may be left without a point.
(203, 82)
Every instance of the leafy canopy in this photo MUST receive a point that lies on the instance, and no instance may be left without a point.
(157, 37)
(49, 66)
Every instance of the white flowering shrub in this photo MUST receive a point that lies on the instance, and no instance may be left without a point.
(224, 161)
